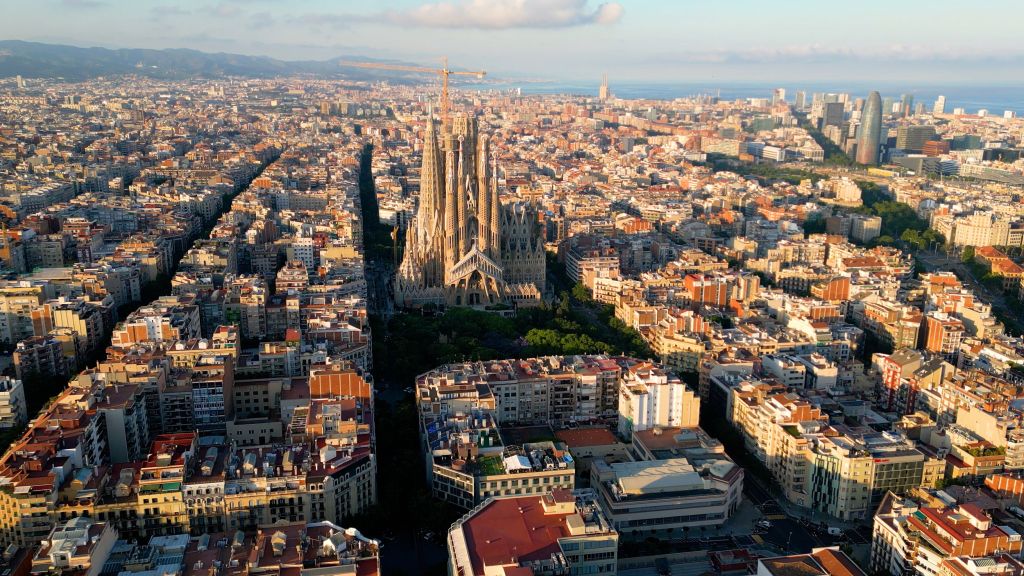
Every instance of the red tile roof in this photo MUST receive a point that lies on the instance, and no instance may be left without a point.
(511, 531)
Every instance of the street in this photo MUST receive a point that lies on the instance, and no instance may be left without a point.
(786, 533)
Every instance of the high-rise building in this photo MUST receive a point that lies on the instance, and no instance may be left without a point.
(602, 93)
(832, 114)
(870, 130)
(940, 105)
(912, 138)
(865, 228)
(801, 100)
(454, 252)
(778, 95)
(906, 104)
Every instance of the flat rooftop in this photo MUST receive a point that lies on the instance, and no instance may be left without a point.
(584, 437)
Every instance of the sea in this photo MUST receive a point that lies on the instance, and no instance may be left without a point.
(995, 99)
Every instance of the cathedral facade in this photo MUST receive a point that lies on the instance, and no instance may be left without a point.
(463, 248)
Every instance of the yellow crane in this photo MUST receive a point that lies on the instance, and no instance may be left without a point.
(444, 72)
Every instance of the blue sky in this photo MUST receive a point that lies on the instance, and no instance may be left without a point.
(633, 40)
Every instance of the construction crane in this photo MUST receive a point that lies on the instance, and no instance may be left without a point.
(444, 72)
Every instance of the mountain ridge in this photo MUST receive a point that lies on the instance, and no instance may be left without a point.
(43, 60)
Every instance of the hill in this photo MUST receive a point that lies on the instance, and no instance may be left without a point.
(39, 60)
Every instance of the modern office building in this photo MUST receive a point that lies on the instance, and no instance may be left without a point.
(832, 114)
(668, 495)
(869, 133)
(913, 138)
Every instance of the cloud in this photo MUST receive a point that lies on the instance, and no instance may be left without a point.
(169, 10)
(225, 10)
(320, 20)
(506, 14)
(84, 4)
(261, 20)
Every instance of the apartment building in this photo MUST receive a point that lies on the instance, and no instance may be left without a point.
(559, 532)
(553, 390)
(942, 334)
(80, 545)
(839, 470)
(649, 396)
(468, 461)
(42, 356)
(820, 562)
(911, 538)
(13, 409)
(81, 316)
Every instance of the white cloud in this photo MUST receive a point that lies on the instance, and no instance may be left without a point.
(505, 14)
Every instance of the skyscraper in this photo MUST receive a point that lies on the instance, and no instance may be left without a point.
(870, 130)
(907, 104)
(833, 114)
(778, 95)
(801, 101)
(940, 105)
(913, 138)
(602, 93)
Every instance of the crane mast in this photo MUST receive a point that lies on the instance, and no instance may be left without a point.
(444, 72)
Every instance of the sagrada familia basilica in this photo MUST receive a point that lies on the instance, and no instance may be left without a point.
(463, 247)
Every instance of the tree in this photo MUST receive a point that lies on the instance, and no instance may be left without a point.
(814, 226)
(967, 255)
(581, 293)
(913, 238)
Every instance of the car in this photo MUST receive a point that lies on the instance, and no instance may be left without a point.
(833, 531)
(428, 536)
(764, 523)
(407, 390)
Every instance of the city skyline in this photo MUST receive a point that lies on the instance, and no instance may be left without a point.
(564, 39)
(519, 287)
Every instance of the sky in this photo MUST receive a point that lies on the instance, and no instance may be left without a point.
(663, 41)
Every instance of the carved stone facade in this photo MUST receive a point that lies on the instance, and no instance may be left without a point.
(455, 248)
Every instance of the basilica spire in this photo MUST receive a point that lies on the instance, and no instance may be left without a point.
(451, 215)
(459, 209)
(495, 227)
